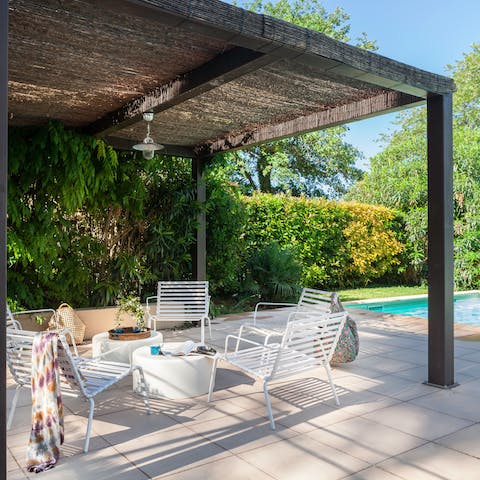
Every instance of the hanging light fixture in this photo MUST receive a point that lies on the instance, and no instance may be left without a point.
(148, 146)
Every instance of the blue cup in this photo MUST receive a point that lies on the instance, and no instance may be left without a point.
(155, 349)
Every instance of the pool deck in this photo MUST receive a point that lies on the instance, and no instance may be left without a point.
(389, 424)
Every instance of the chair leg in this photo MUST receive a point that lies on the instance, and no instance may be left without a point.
(212, 379)
(11, 413)
(202, 331)
(89, 424)
(210, 327)
(269, 406)
(144, 389)
(332, 385)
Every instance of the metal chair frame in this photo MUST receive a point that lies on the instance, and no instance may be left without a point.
(182, 301)
(79, 376)
(306, 344)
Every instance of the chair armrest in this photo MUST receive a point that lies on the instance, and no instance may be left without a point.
(238, 340)
(267, 333)
(38, 310)
(278, 304)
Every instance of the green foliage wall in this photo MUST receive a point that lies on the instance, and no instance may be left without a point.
(87, 224)
(339, 244)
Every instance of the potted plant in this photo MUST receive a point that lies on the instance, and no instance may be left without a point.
(130, 305)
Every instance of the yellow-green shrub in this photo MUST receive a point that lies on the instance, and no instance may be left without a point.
(338, 243)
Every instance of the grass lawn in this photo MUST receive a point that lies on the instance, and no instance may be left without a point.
(379, 292)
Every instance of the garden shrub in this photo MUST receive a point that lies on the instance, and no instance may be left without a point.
(277, 272)
(339, 244)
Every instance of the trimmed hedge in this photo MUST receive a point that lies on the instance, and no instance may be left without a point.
(339, 244)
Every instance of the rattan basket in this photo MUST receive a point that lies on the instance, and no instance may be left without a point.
(67, 318)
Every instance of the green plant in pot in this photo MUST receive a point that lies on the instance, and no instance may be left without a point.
(130, 306)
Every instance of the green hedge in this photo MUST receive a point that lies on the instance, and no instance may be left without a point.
(339, 244)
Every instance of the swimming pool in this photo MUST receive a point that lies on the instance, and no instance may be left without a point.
(466, 307)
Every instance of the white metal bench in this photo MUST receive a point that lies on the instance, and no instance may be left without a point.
(186, 301)
(79, 376)
(306, 344)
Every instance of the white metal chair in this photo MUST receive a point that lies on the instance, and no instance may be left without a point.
(184, 301)
(12, 317)
(306, 344)
(79, 376)
(310, 300)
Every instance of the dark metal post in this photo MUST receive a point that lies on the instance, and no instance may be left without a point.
(440, 241)
(3, 225)
(199, 251)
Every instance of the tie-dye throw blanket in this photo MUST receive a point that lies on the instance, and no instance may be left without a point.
(47, 408)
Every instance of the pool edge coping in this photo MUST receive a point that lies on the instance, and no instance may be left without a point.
(402, 297)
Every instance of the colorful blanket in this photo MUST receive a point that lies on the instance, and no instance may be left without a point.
(47, 408)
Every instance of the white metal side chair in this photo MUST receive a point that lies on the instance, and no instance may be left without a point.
(184, 301)
(12, 317)
(79, 376)
(310, 300)
(306, 344)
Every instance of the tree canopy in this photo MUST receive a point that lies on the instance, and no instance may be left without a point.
(398, 175)
(314, 164)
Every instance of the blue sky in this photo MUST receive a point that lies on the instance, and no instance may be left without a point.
(427, 34)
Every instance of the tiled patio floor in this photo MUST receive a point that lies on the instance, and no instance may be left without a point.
(389, 424)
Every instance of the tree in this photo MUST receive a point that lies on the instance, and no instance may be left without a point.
(314, 164)
(398, 175)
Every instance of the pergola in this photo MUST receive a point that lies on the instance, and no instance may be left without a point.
(218, 78)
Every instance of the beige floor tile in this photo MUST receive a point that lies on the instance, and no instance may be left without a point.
(451, 402)
(419, 421)
(119, 427)
(307, 419)
(384, 364)
(416, 357)
(302, 458)
(232, 468)
(433, 462)
(399, 388)
(16, 475)
(373, 473)
(365, 439)
(241, 432)
(11, 462)
(359, 403)
(104, 464)
(465, 441)
(170, 451)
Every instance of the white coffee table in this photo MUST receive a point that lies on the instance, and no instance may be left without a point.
(120, 350)
(172, 376)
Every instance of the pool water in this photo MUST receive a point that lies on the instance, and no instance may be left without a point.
(466, 307)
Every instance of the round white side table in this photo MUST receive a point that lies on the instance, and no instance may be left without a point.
(172, 376)
(121, 350)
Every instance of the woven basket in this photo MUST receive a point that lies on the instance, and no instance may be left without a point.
(67, 318)
(129, 334)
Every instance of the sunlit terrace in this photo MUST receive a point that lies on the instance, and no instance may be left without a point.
(389, 424)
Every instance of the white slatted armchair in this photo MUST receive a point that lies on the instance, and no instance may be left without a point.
(306, 344)
(79, 376)
(14, 322)
(310, 300)
(183, 301)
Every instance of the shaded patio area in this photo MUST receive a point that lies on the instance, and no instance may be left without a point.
(389, 424)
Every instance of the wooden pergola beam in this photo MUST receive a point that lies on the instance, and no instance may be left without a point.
(222, 69)
(266, 34)
(387, 102)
